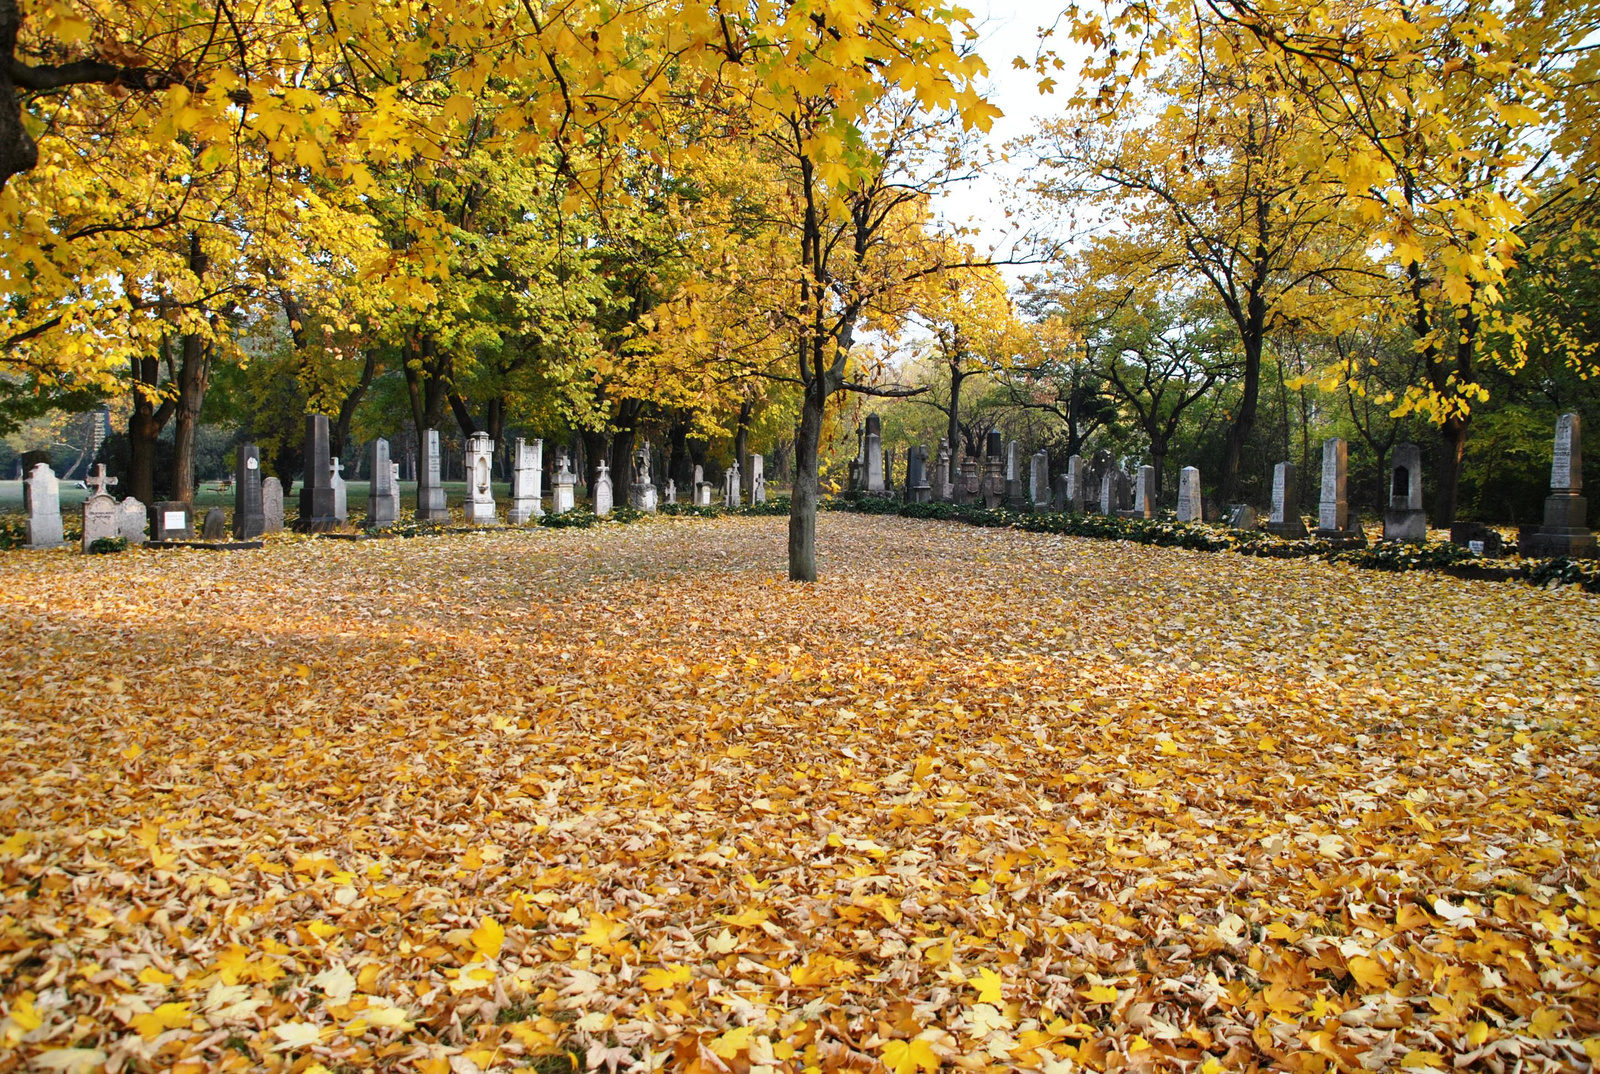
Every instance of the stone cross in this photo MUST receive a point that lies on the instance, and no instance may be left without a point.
(249, 512)
(602, 491)
(562, 493)
(318, 497)
(672, 492)
(44, 508)
(1189, 504)
(98, 481)
(341, 492)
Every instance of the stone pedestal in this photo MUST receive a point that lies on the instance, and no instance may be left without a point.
(1404, 520)
(479, 506)
(527, 480)
(1566, 512)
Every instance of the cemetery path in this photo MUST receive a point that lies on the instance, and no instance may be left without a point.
(977, 797)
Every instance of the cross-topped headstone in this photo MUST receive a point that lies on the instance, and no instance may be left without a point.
(98, 481)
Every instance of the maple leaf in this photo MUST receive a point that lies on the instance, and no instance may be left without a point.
(295, 1035)
(987, 983)
(907, 1057)
(488, 938)
(167, 1016)
(666, 978)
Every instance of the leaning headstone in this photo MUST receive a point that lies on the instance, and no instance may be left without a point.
(479, 505)
(563, 497)
(100, 516)
(131, 521)
(318, 507)
(44, 508)
(249, 513)
(1566, 510)
(1039, 480)
(873, 462)
(381, 513)
(758, 480)
(1285, 520)
(341, 492)
(1189, 504)
(527, 477)
(215, 526)
(1333, 506)
(602, 491)
(271, 505)
(171, 521)
(1404, 520)
(430, 489)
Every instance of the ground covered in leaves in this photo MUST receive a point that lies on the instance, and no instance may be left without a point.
(624, 798)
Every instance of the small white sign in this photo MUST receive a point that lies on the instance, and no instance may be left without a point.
(174, 520)
(1475, 547)
(252, 464)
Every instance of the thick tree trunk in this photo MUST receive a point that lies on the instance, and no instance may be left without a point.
(803, 496)
(347, 409)
(1244, 421)
(953, 425)
(594, 453)
(194, 375)
(1158, 459)
(18, 153)
(622, 463)
(680, 467)
(1447, 475)
(741, 439)
(144, 428)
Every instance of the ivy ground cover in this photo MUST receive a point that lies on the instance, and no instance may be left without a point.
(623, 799)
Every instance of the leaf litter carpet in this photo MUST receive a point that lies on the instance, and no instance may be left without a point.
(625, 799)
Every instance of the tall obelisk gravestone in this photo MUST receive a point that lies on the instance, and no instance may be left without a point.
(317, 511)
(1566, 510)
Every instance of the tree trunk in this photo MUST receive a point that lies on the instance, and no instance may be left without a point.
(953, 426)
(1158, 459)
(18, 153)
(622, 463)
(680, 467)
(803, 495)
(347, 409)
(144, 428)
(1447, 476)
(741, 438)
(594, 453)
(193, 377)
(1244, 421)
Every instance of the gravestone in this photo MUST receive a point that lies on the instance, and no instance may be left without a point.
(1039, 480)
(44, 508)
(944, 486)
(100, 515)
(993, 489)
(1190, 507)
(215, 526)
(271, 505)
(701, 492)
(527, 480)
(381, 513)
(730, 484)
(758, 480)
(563, 497)
(872, 446)
(1285, 520)
(431, 505)
(1241, 516)
(1566, 510)
(888, 471)
(1404, 520)
(672, 493)
(641, 488)
(249, 513)
(479, 504)
(394, 489)
(970, 490)
(318, 506)
(1479, 538)
(1144, 493)
(131, 521)
(918, 487)
(1333, 508)
(1016, 485)
(1108, 495)
(602, 491)
(171, 521)
(341, 491)
(1073, 496)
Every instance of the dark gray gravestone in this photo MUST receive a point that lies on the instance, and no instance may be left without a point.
(171, 521)
(271, 505)
(1404, 520)
(249, 511)
(317, 511)
(1566, 511)
(215, 527)
(381, 511)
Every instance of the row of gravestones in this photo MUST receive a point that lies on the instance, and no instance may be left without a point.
(1000, 482)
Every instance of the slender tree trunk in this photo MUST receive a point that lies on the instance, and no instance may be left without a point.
(680, 467)
(347, 408)
(622, 463)
(1158, 459)
(594, 453)
(144, 427)
(1244, 421)
(1447, 475)
(194, 374)
(741, 437)
(803, 495)
(953, 426)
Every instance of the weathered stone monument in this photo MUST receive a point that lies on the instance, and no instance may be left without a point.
(1072, 495)
(527, 480)
(918, 487)
(872, 461)
(394, 489)
(1039, 480)
(563, 497)
(317, 494)
(969, 489)
(341, 491)
(1285, 519)
(758, 480)
(381, 512)
(1144, 493)
(131, 521)
(479, 505)
(993, 489)
(1333, 506)
(1241, 516)
(602, 491)
(730, 483)
(1190, 508)
(1016, 485)
(642, 494)
(215, 525)
(430, 489)
(700, 495)
(1566, 510)
(944, 486)
(100, 514)
(171, 520)
(1108, 491)
(249, 512)
(271, 505)
(671, 493)
(1404, 520)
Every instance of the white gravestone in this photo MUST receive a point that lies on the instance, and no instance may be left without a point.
(602, 492)
(430, 490)
(131, 521)
(44, 509)
(758, 480)
(562, 494)
(479, 506)
(1189, 505)
(99, 510)
(341, 493)
(527, 477)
